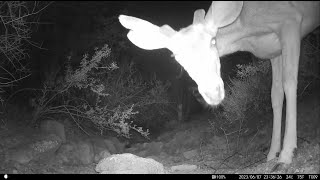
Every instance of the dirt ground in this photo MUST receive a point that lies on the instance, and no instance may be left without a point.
(191, 143)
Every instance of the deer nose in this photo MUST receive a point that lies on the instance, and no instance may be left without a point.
(213, 96)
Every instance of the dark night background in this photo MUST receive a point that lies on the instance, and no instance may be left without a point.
(70, 20)
(77, 27)
(66, 25)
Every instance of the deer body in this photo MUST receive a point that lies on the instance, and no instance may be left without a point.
(253, 33)
(269, 30)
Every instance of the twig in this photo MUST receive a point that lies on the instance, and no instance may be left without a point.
(307, 86)
(225, 159)
(226, 136)
(13, 81)
(239, 134)
(247, 149)
(29, 14)
(254, 163)
(304, 139)
(77, 122)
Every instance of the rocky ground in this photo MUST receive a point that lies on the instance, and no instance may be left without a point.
(189, 148)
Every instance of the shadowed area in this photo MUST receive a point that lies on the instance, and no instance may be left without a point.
(78, 97)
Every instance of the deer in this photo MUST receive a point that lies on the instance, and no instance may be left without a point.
(269, 30)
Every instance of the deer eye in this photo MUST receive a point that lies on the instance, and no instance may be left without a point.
(213, 41)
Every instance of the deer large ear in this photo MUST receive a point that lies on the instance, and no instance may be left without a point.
(198, 17)
(223, 13)
(146, 35)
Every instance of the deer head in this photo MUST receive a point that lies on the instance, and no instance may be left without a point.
(194, 47)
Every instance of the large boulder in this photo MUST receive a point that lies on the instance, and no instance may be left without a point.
(129, 164)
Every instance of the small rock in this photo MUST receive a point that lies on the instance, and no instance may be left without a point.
(50, 142)
(175, 159)
(145, 145)
(154, 148)
(41, 148)
(131, 150)
(110, 146)
(142, 153)
(184, 167)
(190, 154)
(53, 127)
(163, 154)
(181, 140)
(98, 145)
(137, 145)
(85, 152)
(14, 171)
(67, 153)
(105, 154)
(101, 155)
(65, 148)
(117, 144)
(19, 155)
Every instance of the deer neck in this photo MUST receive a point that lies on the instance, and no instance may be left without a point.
(230, 38)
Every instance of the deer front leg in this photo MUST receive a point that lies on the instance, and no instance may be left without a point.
(277, 103)
(290, 53)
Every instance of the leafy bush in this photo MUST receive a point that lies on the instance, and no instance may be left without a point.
(247, 97)
(250, 93)
(101, 92)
